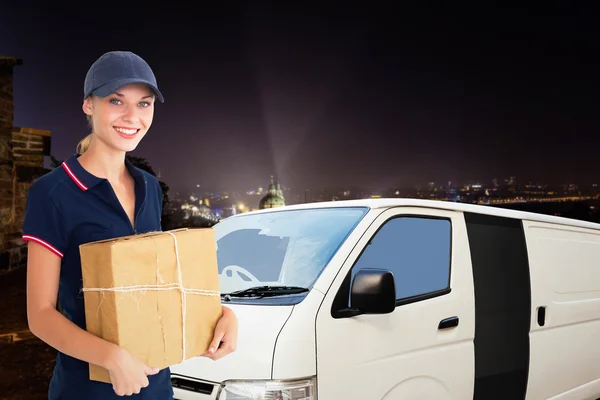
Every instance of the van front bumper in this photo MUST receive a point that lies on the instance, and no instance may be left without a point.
(190, 389)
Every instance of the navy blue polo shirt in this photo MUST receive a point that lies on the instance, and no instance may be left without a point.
(66, 208)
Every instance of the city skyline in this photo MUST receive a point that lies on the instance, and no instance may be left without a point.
(509, 190)
(490, 182)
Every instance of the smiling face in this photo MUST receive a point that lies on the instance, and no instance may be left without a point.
(121, 119)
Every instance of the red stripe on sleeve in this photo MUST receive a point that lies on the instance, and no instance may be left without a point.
(47, 245)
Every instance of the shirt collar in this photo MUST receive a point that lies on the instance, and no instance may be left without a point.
(83, 179)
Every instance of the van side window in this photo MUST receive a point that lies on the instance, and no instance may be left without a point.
(416, 250)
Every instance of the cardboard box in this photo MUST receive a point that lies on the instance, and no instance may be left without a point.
(136, 294)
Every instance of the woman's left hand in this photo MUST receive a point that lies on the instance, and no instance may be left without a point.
(225, 336)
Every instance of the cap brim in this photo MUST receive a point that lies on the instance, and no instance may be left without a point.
(113, 86)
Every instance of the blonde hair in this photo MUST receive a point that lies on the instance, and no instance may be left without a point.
(84, 143)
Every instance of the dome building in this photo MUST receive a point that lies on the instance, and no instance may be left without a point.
(273, 198)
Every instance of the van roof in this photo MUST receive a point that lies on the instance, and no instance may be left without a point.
(438, 204)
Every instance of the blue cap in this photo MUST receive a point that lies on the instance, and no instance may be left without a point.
(116, 69)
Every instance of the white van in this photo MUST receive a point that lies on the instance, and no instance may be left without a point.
(405, 299)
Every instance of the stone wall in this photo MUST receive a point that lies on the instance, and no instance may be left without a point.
(6, 157)
(6, 121)
(22, 152)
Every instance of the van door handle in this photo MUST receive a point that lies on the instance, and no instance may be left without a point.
(448, 323)
(541, 316)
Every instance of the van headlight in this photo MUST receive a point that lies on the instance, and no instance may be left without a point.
(268, 390)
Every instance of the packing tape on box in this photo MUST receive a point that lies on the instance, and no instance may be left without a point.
(167, 286)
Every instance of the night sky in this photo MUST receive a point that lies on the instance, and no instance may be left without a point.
(341, 96)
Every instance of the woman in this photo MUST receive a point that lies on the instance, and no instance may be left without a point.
(97, 194)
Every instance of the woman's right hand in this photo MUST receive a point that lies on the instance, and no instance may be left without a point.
(127, 373)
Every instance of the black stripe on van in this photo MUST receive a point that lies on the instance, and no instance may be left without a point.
(502, 306)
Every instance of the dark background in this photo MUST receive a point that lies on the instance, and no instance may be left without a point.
(329, 95)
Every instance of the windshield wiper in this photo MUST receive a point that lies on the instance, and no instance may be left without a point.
(265, 291)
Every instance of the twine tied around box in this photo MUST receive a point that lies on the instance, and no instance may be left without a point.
(167, 286)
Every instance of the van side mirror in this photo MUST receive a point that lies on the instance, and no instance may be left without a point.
(373, 292)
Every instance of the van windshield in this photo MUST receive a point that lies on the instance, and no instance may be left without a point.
(283, 248)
